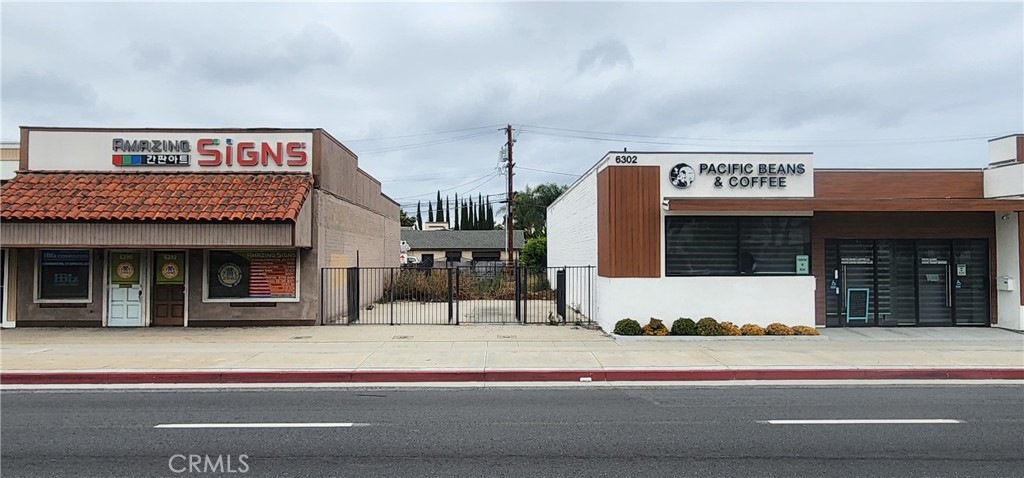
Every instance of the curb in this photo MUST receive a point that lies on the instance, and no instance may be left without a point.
(397, 376)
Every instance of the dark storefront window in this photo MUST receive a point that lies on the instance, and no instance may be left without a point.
(726, 246)
(252, 274)
(64, 275)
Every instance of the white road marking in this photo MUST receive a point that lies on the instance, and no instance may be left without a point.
(260, 425)
(897, 421)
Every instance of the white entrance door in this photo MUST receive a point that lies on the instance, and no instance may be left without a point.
(125, 307)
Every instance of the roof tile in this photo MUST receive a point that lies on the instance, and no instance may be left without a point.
(154, 196)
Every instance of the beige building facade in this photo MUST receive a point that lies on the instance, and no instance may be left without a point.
(185, 227)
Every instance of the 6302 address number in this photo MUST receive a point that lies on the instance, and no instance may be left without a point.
(625, 159)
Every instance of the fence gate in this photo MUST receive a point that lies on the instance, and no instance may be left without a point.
(454, 295)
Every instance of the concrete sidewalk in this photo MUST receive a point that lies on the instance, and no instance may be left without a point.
(485, 352)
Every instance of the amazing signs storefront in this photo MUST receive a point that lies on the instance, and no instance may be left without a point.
(171, 227)
(764, 237)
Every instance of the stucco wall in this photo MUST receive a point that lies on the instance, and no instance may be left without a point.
(222, 313)
(1008, 258)
(344, 230)
(572, 239)
(1004, 181)
(740, 300)
(30, 313)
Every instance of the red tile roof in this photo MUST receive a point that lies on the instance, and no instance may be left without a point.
(97, 196)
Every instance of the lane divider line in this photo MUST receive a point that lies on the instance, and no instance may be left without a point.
(897, 421)
(261, 425)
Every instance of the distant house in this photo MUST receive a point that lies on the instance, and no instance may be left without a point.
(462, 246)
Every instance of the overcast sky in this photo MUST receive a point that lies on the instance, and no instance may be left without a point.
(858, 84)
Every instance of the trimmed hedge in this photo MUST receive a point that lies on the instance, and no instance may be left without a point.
(708, 327)
(684, 326)
(728, 328)
(628, 327)
(655, 327)
(751, 329)
(804, 330)
(778, 329)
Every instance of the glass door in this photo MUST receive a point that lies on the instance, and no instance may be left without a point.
(970, 281)
(857, 295)
(896, 286)
(934, 286)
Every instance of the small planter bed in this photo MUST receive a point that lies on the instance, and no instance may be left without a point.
(709, 328)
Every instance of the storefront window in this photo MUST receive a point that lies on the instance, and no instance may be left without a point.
(725, 246)
(64, 275)
(252, 275)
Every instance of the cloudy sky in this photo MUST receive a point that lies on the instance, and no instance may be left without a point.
(420, 90)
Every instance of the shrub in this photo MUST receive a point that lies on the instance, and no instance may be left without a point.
(778, 329)
(751, 329)
(728, 328)
(627, 327)
(535, 254)
(684, 326)
(708, 326)
(655, 327)
(804, 330)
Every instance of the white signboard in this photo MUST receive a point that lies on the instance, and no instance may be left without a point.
(727, 175)
(191, 151)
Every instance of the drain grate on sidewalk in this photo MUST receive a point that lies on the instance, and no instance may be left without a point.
(506, 336)
(401, 337)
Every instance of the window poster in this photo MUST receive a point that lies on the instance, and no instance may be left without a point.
(267, 274)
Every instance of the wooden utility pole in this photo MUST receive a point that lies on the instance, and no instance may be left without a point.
(510, 198)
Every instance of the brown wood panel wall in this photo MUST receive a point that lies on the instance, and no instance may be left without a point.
(898, 184)
(1020, 149)
(629, 221)
(931, 225)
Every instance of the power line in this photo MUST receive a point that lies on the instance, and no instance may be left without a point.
(428, 143)
(940, 139)
(381, 138)
(549, 172)
(487, 177)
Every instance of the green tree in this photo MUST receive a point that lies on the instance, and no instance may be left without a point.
(535, 253)
(419, 217)
(430, 211)
(490, 214)
(406, 220)
(440, 208)
(448, 212)
(458, 226)
(530, 208)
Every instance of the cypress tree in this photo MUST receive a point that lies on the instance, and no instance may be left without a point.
(458, 224)
(490, 214)
(419, 216)
(440, 208)
(481, 213)
(472, 217)
(448, 211)
(430, 211)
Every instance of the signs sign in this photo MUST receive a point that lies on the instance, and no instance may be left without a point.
(858, 302)
(124, 267)
(803, 264)
(194, 151)
(170, 268)
(252, 274)
(726, 174)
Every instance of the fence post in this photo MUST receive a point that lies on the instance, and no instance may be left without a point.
(518, 292)
(560, 293)
(457, 276)
(352, 290)
(590, 301)
(451, 304)
(391, 295)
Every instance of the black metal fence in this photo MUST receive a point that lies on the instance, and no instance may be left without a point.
(464, 294)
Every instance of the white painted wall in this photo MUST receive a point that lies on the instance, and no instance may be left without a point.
(1010, 313)
(572, 239)
(7, 168)
(1004, 181)
(740, 300)
(1002, 149)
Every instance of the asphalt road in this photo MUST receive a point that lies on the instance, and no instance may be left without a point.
(654, 431)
